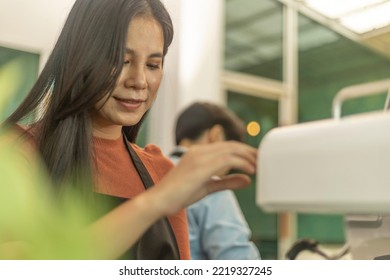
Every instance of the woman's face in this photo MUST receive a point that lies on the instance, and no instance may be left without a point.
(137, 85)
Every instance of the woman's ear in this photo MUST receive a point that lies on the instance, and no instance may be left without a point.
(216, 134)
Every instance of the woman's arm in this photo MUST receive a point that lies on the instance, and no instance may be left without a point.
(188, 182)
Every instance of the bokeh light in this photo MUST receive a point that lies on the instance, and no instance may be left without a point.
(253, 128)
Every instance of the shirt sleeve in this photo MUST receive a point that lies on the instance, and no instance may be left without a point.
(218, 227)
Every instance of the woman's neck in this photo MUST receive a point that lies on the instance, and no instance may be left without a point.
(108, 132)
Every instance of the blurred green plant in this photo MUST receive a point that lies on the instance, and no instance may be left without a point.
(33, 223)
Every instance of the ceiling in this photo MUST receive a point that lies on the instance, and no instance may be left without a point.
(254, 39)
(364, 28)
(379, 41)
(32, 25)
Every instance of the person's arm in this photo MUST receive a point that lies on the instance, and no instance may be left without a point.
(119, 229)
(186, 183)
(225, 235)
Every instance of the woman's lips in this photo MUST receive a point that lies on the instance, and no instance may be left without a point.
(129, 104)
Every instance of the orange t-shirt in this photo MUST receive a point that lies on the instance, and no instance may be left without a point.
(116, 176)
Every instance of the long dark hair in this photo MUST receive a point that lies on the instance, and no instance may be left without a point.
(82, 69)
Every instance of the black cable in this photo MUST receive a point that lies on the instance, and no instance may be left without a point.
(312, 246)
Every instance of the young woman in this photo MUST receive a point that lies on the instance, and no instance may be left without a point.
(99, 82)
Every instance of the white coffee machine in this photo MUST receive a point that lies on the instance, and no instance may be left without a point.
(339, 165)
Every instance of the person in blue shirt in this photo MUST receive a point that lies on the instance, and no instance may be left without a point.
(217, 227)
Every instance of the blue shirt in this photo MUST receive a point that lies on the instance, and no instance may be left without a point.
(218, 229)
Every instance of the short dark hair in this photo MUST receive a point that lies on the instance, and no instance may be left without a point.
(200, 116)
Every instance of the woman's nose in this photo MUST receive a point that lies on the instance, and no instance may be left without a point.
(136, 78)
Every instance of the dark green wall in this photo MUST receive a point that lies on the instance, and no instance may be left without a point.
(263, 225)
(18, 72)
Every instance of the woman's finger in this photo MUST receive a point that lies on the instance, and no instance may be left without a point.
(232, 182)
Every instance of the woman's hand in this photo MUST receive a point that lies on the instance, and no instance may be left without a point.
(193, 177)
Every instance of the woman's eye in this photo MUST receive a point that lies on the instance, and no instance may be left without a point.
(153, 65)
(126, 62)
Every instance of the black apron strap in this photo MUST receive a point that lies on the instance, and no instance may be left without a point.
(141, 169)
(159, 241)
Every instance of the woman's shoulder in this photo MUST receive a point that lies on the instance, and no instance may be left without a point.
(20, 128)
(23, 133)
(150, 151)
(153, 149)
(19, 138)
(154, 155)
(27, 130)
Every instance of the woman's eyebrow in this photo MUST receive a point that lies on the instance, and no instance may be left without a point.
(132, 52)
